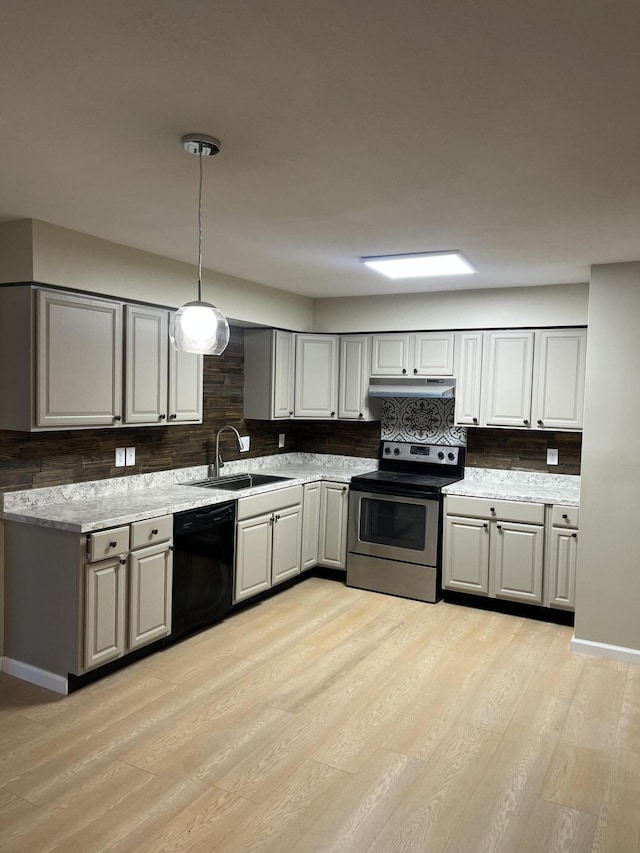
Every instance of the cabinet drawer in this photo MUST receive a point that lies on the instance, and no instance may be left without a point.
(531, 513)
(151, 530)
(106, 543)
(268, 502)
(565, 516)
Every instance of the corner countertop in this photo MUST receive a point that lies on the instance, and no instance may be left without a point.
(86, 507)
(526, 486)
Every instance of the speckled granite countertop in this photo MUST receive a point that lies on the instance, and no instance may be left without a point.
(518, 486)
(85, 507)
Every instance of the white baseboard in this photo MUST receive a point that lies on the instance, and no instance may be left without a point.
(604, 650)
(35, 675)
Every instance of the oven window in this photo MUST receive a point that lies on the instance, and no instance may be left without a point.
(393, 523)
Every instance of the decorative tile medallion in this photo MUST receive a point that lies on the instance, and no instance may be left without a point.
(421, 419)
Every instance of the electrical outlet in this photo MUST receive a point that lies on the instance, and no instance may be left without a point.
(120, 457)
(245, 441)
(552, 456)
(130, 456)
(281, 440)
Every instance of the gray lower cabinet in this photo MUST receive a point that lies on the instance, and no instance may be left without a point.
(562, 557)
(334, 506)
(75, 601)
(268, 540)
(310, 525)
(494, 548)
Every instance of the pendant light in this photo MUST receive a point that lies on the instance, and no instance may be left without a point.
(199, 326)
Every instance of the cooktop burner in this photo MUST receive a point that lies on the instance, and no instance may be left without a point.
(419, 468)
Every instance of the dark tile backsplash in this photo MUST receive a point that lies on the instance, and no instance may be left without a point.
(46, 459)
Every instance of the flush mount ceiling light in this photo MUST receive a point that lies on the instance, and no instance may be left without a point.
(420, 264)
(199, 326)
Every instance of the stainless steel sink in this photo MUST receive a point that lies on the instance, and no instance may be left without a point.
(237, 482)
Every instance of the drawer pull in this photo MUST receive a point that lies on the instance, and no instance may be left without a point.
(492, 509)
(574, 535)
(113, 544)
(499, 526)
(171, 547)
(564, 515)
(154, 532)
(486, 526)
(122, 561)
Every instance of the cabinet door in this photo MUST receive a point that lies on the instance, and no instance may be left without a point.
(354, 377)
(287, 541)
(185, 386)
(559, 369)
(507, 379)
(310, 525)
(390, 355)
(79, 361)
(150, 582)
(283, 374)
(253, 556)
(104, 614)
(468, 360)
(316, 387)
(334, 502)
(433, 354)
(466, 555)
(516, 561)
(563, 557)
(146, 356)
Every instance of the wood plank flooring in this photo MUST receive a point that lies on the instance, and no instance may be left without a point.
(333, 719)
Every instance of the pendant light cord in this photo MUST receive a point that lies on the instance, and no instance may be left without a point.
(200, 229)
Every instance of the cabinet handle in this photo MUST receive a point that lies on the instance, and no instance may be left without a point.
(526, 422)
(498, 526)
(333, 414)
(574, 535)
(154, 532)
(117, 417)
(162, 417)
(172, 547)
(276, 517)
(344, 488)
(564, 515)
(486, 526)
(360, 415)
(539, 423)
(475, 420)
(404, 369)
(173, 417)
(290, 413)
(415, 369)
(113, 544)
(492, 509)
(122, 561)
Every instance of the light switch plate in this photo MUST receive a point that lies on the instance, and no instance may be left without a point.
(130, 456)
(245, 441)
(281, 439)
(120, 457)
(552, 456)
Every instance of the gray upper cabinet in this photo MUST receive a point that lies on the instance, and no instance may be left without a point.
(68, 362)
(146, 365)
(316, 385)
(353, 385)
(269, 366)
(412, 354)
(61, 363)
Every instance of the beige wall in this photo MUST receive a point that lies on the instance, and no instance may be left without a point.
(16, 258)
(558, 305)
(608, 580)
(80, 262)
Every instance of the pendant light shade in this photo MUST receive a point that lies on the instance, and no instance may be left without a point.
(199, 326)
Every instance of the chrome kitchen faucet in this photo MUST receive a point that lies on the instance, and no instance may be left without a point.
(218, 463)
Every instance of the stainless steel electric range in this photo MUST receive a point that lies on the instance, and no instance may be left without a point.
(394, 540)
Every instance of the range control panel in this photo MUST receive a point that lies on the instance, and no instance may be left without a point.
(434, 454)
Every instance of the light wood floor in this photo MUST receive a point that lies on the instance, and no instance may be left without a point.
(333, 719)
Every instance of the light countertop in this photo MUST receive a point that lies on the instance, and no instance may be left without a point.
(86, 507)
(518, 486)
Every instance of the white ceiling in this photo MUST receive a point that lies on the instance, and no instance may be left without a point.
(503, 128)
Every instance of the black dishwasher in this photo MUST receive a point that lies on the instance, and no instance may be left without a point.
(202, 567)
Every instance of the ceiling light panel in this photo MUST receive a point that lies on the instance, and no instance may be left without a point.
(420, 264)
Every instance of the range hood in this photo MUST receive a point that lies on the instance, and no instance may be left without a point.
(411, 386)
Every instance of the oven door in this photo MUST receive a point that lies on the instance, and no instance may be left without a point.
(394, 527)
